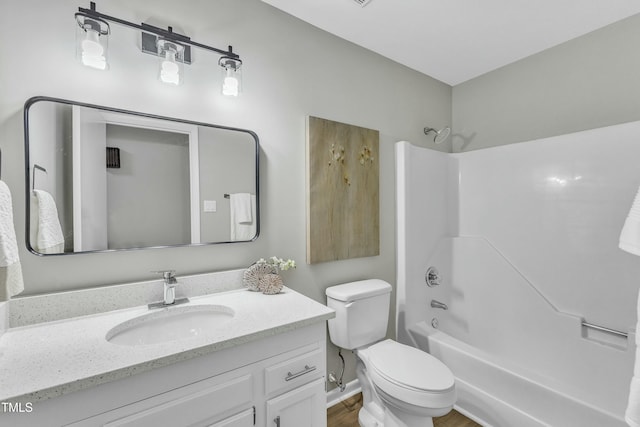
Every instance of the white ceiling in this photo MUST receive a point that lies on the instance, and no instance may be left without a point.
(456, 40)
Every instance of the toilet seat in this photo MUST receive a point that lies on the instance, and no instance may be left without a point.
(410, 375)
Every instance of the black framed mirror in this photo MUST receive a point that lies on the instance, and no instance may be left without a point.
(106, 179)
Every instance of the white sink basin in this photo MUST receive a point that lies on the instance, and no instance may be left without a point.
(170, 324)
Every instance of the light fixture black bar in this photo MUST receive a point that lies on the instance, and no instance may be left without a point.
(169, 34)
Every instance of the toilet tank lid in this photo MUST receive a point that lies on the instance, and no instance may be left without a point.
(358, 290)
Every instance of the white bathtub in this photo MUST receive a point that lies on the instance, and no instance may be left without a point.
(525, 241)
(499, 395)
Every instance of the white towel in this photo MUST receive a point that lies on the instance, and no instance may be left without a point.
(241, 229)
(11, 282)
(241, 207)
(632, 415)
(48, 238)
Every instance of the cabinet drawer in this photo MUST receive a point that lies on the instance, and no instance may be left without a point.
(294, 372)
(190, 405)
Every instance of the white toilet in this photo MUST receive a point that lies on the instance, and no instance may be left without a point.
(401, 385)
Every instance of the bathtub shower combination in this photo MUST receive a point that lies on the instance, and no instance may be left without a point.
(530, 303)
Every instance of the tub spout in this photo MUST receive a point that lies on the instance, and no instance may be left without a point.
(438, 304)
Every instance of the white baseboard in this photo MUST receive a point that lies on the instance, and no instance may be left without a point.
(335, 396)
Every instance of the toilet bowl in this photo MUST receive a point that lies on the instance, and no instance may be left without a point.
(412, 385)
(402, 386)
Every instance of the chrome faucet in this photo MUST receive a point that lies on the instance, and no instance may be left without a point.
(438, 304)
(170, 283)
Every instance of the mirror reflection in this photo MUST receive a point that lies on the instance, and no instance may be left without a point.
(105, 179)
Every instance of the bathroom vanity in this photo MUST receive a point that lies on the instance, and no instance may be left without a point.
(260, 363)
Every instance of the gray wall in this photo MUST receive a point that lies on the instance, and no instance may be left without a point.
(585, 83)
(291, 70)
(148, 197)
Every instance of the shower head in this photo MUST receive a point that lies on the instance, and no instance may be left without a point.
(441, 135)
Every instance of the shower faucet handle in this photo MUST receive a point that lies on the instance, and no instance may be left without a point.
(432, 277)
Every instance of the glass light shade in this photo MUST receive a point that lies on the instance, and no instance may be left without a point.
(231, 76)
(92, 41)
(171, 56)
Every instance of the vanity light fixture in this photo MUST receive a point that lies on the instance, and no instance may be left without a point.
(231, 75)
(92, 39)
(171, 59)
(173, 49)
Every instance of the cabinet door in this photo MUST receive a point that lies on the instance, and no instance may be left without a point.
(304, 406)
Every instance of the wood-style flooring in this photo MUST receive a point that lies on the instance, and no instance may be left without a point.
(345, 414)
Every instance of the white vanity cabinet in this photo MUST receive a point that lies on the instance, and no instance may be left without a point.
(269, 382)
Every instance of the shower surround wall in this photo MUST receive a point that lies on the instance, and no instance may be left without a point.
(525, 238)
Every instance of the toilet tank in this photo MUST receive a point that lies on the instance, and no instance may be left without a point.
(362, 312)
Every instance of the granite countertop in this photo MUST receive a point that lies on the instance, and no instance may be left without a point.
(46, 360)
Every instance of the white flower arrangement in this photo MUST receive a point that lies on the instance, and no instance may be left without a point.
(278, 263)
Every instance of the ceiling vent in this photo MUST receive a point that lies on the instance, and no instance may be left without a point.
(362, 3)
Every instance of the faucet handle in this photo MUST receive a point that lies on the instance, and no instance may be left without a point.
(166, 274)
(432, 277)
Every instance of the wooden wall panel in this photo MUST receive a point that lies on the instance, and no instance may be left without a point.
(343, 212)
